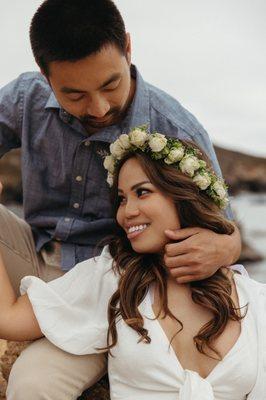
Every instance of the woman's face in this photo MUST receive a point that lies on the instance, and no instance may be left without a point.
(144, 212)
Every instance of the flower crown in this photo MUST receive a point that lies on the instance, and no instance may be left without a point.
(172, 151)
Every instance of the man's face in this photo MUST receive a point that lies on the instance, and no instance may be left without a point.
(96, 89)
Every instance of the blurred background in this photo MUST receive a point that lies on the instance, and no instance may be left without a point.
(210, 56)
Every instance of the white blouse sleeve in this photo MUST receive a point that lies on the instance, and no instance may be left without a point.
(72, 310)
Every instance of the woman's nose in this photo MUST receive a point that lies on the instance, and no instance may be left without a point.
(131, 209)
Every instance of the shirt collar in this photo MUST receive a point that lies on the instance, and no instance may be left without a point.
(52, 102)
(137, 114)
(139, 110)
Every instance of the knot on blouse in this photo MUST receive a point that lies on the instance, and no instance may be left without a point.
(195, 387)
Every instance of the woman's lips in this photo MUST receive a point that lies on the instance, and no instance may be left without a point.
(133, 235)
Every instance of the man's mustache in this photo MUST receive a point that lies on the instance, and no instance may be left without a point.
(90, 118)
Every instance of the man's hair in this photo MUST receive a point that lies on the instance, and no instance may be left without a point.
(69, 30)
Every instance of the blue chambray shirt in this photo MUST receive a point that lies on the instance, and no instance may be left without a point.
(65, 193)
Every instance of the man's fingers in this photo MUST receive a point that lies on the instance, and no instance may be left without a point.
(177, 249)
(181, 234)
(181, 272)
(177, 262)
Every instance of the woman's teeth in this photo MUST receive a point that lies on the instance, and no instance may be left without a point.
(137, 228)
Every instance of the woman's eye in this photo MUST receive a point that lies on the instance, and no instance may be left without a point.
(142, 191)
(121, 200)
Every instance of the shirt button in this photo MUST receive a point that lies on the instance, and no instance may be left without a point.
(78, 178)
(76, 205)
(87, 143)
(67, 219)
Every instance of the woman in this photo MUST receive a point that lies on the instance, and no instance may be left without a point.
(165, 340)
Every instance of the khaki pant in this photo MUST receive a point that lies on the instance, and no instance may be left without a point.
(42, 371)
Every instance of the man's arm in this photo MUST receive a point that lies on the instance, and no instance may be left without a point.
(11, 113)
(197, 253)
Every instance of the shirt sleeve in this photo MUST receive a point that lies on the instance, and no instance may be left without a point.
(11, 109)
(72, 310)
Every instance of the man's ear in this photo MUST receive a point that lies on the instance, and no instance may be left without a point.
(128, 48)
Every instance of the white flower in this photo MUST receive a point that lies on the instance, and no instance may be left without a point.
(202, 180)
(167, 161)
(157, 142)
(124, 141)
(220, 190)
(117, 150)
(110, 179)
(109, 163)
(189, 164)
(175, 154)
(138, 137)
(224, 202)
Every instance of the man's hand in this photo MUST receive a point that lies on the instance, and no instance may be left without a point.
(1, 187)
(197, 253)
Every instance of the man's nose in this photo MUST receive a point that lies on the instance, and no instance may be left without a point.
(98, 107)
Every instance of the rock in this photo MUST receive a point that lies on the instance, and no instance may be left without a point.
(249, 254)
(9, 351)
(100, 391)
(242, 172)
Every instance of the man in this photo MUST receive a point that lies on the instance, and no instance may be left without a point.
(64, 118)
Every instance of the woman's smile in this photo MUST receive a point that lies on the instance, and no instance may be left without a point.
(136, 230)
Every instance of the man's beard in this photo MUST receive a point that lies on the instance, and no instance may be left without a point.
(113, 116)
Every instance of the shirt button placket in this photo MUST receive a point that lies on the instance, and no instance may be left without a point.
(79, 175)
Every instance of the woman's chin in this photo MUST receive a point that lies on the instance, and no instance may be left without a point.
(147, 248)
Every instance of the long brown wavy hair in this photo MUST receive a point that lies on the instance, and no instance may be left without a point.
(139, 271)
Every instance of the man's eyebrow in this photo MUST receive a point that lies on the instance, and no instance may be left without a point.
(112, 78)
(134, 186)
(68, 90)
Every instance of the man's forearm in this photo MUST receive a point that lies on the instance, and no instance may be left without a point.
(232, 246)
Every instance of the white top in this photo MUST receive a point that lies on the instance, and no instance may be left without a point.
(72, 314)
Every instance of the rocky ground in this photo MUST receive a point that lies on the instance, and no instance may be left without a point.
(241, 172)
